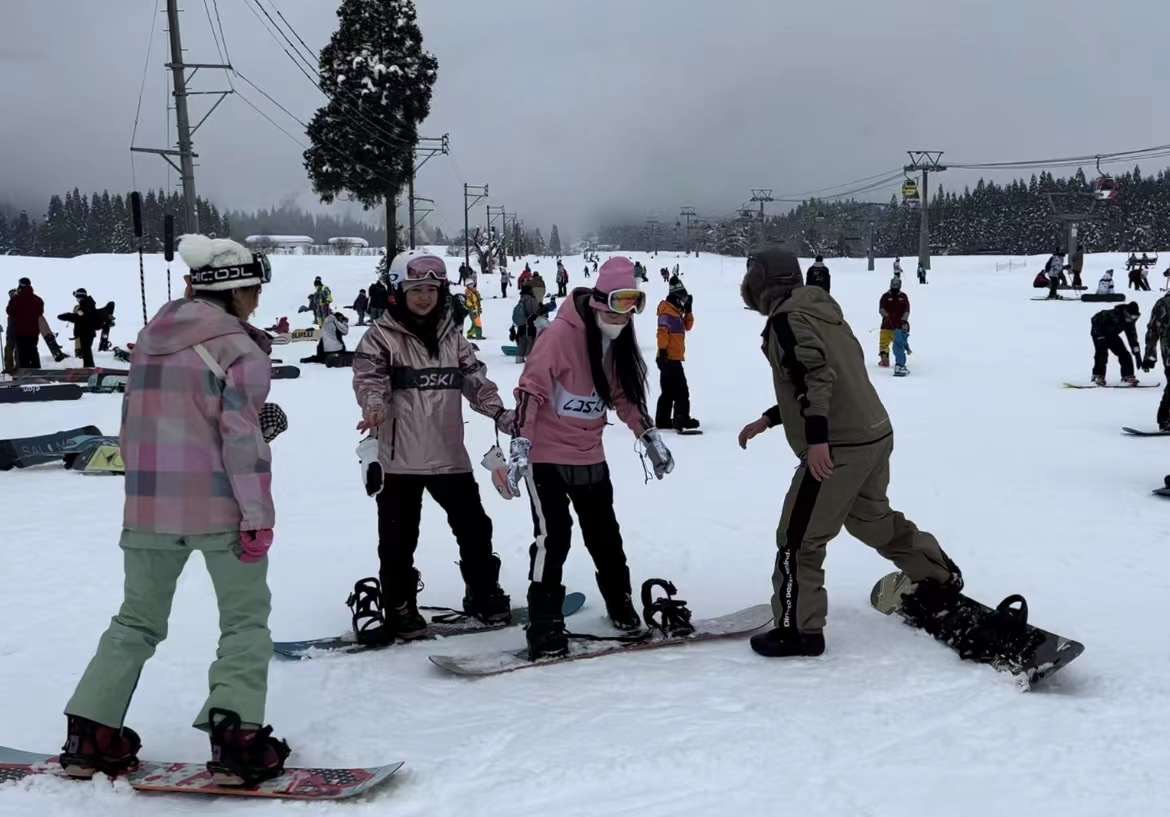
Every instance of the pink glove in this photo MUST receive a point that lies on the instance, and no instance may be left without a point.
(254, 545)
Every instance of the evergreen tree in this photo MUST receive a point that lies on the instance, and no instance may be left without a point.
(56, 231)
(554, 241)
(24, 236)
(378, 79)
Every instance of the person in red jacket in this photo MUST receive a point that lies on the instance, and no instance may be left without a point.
(894, 308)
(25, 310)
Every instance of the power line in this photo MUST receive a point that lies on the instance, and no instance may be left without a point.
(227, 54)
(269, 97)
(272, 121)
(141, 91)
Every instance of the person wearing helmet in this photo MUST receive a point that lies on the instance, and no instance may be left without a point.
(411, 372)
(87, 322)
(586, 363)
(894, 307)
(1106, 329)
(320, 301)
(838, 428)
(195, 434)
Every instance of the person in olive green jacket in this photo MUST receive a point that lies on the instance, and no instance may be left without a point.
(838, 427)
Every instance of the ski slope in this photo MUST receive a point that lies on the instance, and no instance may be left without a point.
(1029, 486)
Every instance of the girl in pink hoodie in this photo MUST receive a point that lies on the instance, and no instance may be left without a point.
(585, 363)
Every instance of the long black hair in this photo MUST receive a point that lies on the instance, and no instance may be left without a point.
(424, 327)
(627, 359)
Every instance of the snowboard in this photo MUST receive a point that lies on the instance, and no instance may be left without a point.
(1162, 492)
(312, 333)
(25, 451)
(76, 375)
(1045, 654)
(193, 778)
(732, 625)
(1134, 432)
(39, 392)
(285, 372)
(444, 625)
(510, 351)
(1112, 386)
(1059, 298)
(106, 383)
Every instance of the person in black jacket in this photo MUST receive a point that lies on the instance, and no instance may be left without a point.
(361, 305)
(1107, 326)
(379, 300)
(818, 274)
(87, 322)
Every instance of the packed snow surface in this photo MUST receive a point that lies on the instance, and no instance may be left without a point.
(1029, 486)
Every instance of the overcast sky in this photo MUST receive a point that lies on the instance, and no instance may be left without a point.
(571, 109)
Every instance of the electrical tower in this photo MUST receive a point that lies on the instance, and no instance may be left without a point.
(425, 149)
(928, 162)
(476, 193)
(762, 195)
(492, 213)
(651, 234)
(688, 213)
(186, 151)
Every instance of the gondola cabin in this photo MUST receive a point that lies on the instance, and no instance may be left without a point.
(1105, 188)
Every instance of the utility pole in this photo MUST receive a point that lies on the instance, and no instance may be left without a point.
(926, 161)
(651, 234)
(425, 149)
(491, 217)
(421, 213)
(688, 213)
(762, 195)
(477, 193)
(186, 151)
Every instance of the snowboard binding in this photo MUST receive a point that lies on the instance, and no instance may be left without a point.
(243, 757)
(666, 614)
(365, 604)
(1001, 637)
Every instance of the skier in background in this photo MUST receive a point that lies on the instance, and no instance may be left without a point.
(219, 503)
(1158, 339)
(838, 427)
(1138, 279)
(320, 301)
(1077, 265)
(1054, 269)
(587, 362)
(525, 276)
(361, 305)
(562, 279)
(1106, 329)
(25, 312)
(378, 300)
(897, 267)
(676, 317)
(921, 274)
(505, 281)
(818, 274)
(894, 307)
(587, 271)
(474, 303)
(901, 349)
(87, 321)
(411, 373)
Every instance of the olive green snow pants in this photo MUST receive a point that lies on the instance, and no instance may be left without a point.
(854, 496)
(238, 678)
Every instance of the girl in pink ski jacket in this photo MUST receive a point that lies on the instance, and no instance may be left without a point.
(585, 363)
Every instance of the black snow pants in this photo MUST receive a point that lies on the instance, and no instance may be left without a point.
(399, 511)
(27, 356)
(85, 350)
(1102, 346)
(1164, 406)
(551, 488)
(674, 403)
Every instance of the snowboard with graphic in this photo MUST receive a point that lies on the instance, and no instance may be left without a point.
(25, 451)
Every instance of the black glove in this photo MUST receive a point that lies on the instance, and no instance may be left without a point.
(1137, 353)
(1148, 364)
(689, 305)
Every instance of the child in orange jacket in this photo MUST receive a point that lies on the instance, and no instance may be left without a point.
(675, 319)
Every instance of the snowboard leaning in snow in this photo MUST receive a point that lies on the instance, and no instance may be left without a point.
(25, 451)
(1137, 432)
(741, 623)
(445, 624)
(193, 778)
(1112, 386)
(1041, 653)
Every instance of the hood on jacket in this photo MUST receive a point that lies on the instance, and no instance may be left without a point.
(814, 302)
(183, 323)
(769, 282)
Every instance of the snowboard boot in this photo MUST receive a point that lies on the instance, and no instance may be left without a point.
(785, 643)
(619, 604)
(545, 632)
(937, 607)
(365, 603)
(1129, 381)
(484, 599)
(243, 754)
(686, 424)
(664, 424)
(901, 371)
(884, 360)
(92, 747)
(54, 348)
(1098, 380)
(400, 607)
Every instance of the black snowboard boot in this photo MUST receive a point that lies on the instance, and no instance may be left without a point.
(782, 643)
(54, 348)
(619, 605)
(400, 606)
(365, 603)
(937, 607)
(484, 598)
(243, 754)
(94, 747)
(687, 424)
(545, 632)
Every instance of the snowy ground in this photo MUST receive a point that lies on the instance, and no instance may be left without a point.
(1029, 486)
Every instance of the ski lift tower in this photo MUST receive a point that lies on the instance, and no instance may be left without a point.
(1070, 209)
(926, 161)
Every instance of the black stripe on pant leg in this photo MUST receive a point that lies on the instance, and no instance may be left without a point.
(798, 521)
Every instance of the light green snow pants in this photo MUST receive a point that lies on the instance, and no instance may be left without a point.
(238, 678)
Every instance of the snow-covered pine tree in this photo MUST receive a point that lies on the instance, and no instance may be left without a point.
(554, 241)
(378, 79)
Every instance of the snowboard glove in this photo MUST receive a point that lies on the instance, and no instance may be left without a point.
(660, 457)
(273, 422)
(254, 545)
(518, 463)
(495, 462)
(372, 476)
(1148, 364)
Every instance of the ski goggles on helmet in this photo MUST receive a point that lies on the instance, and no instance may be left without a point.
(423, 271)
(235, 276)
(622, 301)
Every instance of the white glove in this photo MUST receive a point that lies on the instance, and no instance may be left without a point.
(658, 453)
(518, 464)
(494, 461)
(372, 477)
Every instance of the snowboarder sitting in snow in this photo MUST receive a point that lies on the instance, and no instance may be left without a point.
(1106, 329)
(1105, 285)
(818, 274)
(901, 349)
(281, 327)
(894, 307)
(838, 427)
(1158, 339)
(1054, 269)
(676, 317)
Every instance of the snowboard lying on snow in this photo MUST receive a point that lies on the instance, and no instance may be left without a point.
(445, 624)
(1034, 655)
(193, 778)
(25, 451)
(1112, 386)
(39, 392)
(1136, 432)
(741, 623)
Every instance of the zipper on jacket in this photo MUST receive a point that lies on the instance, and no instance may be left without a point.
(393, 436)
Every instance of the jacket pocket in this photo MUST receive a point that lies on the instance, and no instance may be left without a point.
(393, 437)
